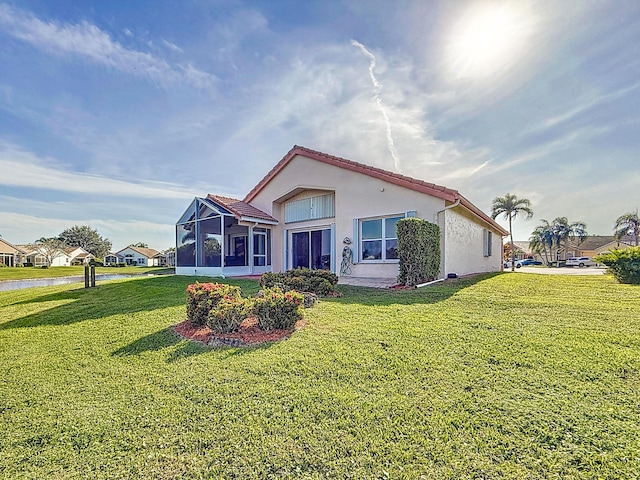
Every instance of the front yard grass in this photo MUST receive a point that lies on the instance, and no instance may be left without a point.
(499, 376)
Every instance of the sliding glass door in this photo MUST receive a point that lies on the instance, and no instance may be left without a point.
(311, 249)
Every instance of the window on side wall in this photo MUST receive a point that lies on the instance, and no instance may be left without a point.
(487, 239)
(378, 239)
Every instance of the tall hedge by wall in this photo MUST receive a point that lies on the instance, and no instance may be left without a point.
(418, 251)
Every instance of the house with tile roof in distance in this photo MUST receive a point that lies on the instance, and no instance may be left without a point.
(589, 247)
(11, 255)
(137, 256)
(315, 210)
(78, 255)
(596, 244)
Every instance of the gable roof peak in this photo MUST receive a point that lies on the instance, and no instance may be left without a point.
(438, 191)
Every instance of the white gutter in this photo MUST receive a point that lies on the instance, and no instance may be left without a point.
(453, 205)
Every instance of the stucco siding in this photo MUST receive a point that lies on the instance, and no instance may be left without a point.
(357, 196)
(464, 252)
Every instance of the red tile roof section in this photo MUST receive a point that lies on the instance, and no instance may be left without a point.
(240, 209)
(432, 189)
(147, 252)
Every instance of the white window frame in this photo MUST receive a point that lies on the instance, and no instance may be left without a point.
(383, 239)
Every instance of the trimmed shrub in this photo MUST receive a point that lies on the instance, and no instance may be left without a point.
(623, 264)
(276, 309)
(418, 251)
(320, 282)
(227, 316)
(203, 297)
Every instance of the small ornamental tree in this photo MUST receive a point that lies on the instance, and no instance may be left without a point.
(623, 264)
(418, 251)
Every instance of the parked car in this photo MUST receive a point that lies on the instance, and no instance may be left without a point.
(580, 262)
(507, 264)
(529, 262)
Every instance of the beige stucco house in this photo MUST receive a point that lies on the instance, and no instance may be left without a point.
(325, 212)
(11, 255)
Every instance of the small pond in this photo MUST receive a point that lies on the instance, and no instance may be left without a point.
(47, 282)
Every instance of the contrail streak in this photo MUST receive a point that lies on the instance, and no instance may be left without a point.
(377, 87)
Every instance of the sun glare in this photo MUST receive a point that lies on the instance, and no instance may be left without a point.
(487, 39)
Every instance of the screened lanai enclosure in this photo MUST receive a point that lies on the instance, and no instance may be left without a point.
(226, 237)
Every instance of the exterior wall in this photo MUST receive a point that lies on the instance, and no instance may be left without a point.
(60, 260)
(464, 248)
(137, 258)
(357, 196)
(9, 255)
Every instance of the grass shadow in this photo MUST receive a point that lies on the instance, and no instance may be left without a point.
(160, 340)
(168, 338)
(127, 296)
(435, 293)
(119, 297)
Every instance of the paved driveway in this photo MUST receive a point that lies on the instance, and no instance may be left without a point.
(562, 270)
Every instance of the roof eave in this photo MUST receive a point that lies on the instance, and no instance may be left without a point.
(245, 218)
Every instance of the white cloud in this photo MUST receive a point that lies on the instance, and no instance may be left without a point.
(20, 229)
(172, 46)
(87, 41)
(31, 171)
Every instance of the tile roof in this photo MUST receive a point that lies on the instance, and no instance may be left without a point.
(432, 189)
(593, 242)
(241, 208)
(147, 252)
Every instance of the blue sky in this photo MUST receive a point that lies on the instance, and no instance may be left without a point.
(115, 114)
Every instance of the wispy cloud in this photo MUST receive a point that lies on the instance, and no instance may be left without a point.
(377, 88)
(34, 172)
(120, 232)
(585, 104)
(172, 46)
(88, 42)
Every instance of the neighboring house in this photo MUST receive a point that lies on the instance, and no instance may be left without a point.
(166, 258)
(313, 210)
(79, 256)
(170, 255)
(596, 244)
(34, 255)
(112, 259)
(141, 257)
(11, 255)
(523, 251)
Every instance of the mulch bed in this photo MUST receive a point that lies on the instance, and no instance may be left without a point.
(248, 334)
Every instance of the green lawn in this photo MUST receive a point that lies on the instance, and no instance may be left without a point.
(22, 273)
(501, 376)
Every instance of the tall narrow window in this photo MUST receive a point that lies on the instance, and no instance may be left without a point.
(487, 241)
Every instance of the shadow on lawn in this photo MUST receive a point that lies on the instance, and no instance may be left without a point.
(121, 297)
(435, 293)
(160, 340)
(168, 338)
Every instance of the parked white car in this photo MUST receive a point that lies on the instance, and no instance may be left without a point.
(580, 262)
(507, 264)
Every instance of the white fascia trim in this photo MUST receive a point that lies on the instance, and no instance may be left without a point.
(258, 220)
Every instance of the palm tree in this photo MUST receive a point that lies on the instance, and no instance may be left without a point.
(563, 231)
(627, 224)
(542, 241)
(510, 206)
